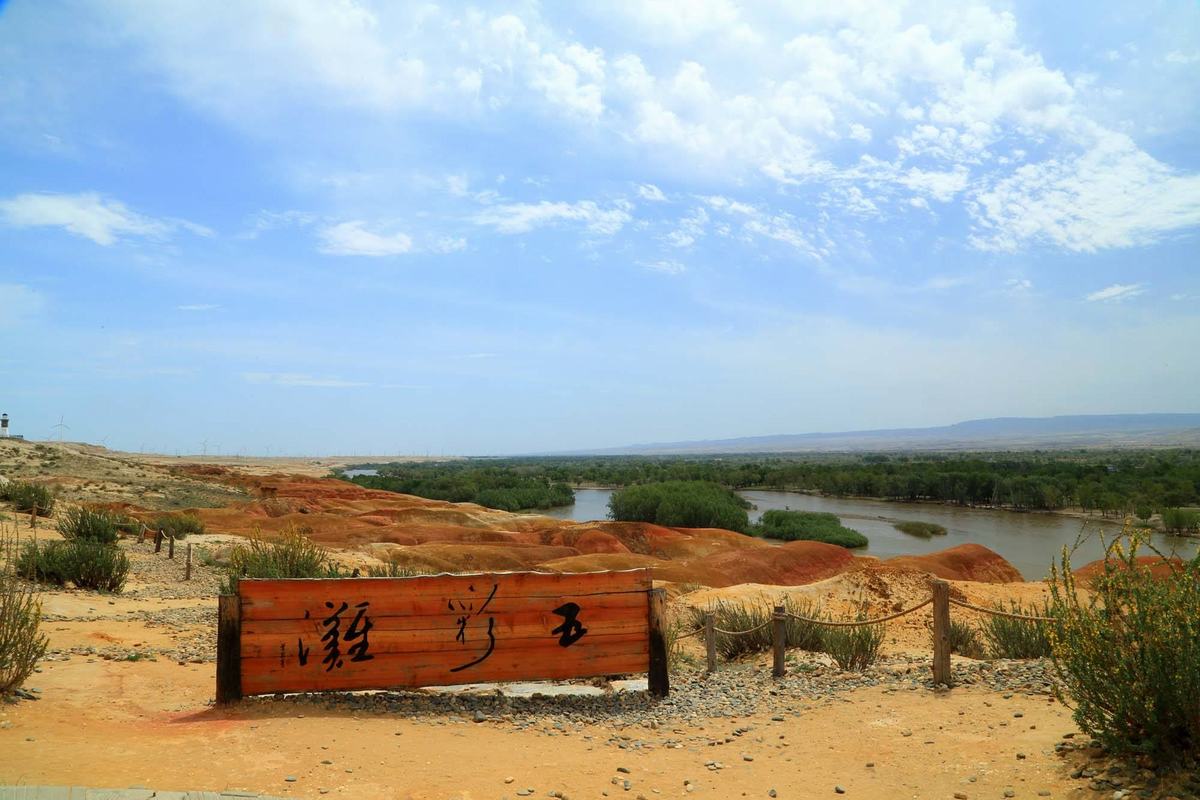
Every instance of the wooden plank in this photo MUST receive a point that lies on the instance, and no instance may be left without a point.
(523, 637)
(290, 599)
(441, 630)
(778, 641)
(264, 676)
(509, 621)
(229, 666)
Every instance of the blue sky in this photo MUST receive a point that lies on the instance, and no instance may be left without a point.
(345, 227)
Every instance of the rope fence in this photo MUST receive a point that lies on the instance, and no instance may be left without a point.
(940, 600)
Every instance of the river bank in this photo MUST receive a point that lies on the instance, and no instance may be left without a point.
(1031, 541)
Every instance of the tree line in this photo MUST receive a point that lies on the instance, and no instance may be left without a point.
(1109, 482)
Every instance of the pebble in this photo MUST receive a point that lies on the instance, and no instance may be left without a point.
(290, 779)
(960, 796)
(839, 789)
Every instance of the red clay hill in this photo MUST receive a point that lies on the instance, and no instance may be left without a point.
(438, 536)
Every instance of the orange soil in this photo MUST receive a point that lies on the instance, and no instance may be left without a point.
(432, 535)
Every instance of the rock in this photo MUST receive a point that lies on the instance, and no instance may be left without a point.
(771, 793)
(960, 796)
(625, 770)
(290, 779)
(839, 789)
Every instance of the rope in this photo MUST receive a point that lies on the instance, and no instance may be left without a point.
(856, 623)
(742, 633)
(688, 635)
(997, 612)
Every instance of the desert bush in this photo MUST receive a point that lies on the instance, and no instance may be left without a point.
(26, 496)
(815, 526)
(90, 524)
(291, 555)
(742, 617)
(87, 564)
(853, 648)
(1129, 656)
(922, 529)
(1014, 638)
(21, 642)
(391, 569)
(178, 526)
(964, 639)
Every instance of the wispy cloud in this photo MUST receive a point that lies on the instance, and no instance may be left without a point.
(353, 239)
(524, 217)
(197, 307)
(89, 215)
(648, 191)
(1116, 293)
(299, 379)
(666, 266)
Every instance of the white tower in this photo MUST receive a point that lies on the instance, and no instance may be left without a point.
(3, 426)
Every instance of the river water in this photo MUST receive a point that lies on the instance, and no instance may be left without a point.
(1030, 541)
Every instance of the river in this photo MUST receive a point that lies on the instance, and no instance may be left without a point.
(1030, 541)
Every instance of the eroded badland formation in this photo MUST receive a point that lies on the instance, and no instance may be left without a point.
(125, 696)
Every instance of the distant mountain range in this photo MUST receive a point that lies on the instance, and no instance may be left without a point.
(1001, 433)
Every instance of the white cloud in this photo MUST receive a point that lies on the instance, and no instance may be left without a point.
(648, 191)
(89, 215)
(195, 307)
(1114, 195)
(1018, 286)
(449, 244)
(1116, 293)
(665, 265)
(524, 217)
(353, 239)
(1180, 57)
(299, 379)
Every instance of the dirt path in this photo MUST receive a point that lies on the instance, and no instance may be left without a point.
(119, 724)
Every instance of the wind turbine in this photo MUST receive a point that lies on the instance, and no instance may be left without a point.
(60, 427)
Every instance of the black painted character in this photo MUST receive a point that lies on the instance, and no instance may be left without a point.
(571, 629)
(468, 611)
(358, 630)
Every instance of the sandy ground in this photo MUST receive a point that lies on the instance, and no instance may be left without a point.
(120, 724)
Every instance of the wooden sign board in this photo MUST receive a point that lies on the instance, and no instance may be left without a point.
(381, 633)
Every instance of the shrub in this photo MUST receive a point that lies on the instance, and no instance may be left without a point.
(292, 555)
(391, 569)
(746, 617)
(922, 529)
(1129, 657)
(26, 496)
(1014, 638)
(964, 639)
(178, 526)
(21, 642)
(812, 526)
(91, 524)
(85, 563)
(681, 504)
(853, 648)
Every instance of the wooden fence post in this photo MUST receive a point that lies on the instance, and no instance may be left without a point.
(158, 537)
(171, 547)
(33, 517)
(941, 632)
(659, 682)
(710, 642)
(187, 570)
(229, 649)
(778, 639)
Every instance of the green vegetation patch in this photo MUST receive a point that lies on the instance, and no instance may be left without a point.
(91, 524)
(681, 504)
(812, 526)
(178, 526)
(505, 488)
(26, 496)
(1129, 654)
(922, 529)
(86, 563)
